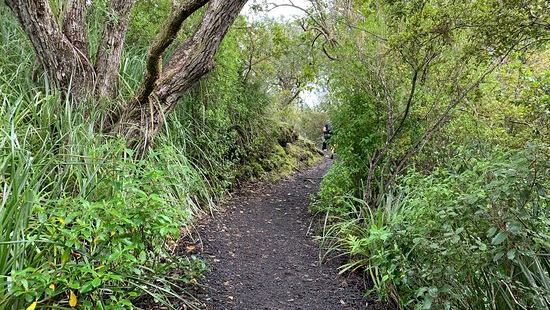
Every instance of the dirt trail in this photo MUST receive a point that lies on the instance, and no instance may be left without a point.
(262, 255)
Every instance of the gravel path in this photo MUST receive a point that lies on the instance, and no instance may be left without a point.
(262, 255)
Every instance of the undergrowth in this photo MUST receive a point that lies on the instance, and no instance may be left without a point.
(475, 236)
(83, 222)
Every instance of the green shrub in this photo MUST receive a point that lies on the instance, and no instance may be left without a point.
(107, 251)
(80, 216)
(337, 184)
(478, 238)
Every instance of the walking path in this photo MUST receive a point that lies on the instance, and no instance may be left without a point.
(262, 255)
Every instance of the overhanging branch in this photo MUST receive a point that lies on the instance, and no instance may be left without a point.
(163, 40)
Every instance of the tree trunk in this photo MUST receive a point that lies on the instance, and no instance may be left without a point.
(111, 47)
(65, 56)
(64, 52)
(74, 26)
(68, 68)
(145, 116)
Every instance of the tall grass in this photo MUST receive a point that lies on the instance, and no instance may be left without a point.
(64, 187)
(82, 219)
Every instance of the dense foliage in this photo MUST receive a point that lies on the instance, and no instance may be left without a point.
(439, 189)
(474, 236)
(440, 114)
(84, 221)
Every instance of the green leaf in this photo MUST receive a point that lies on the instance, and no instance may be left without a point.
(511, 254)
(499, 238)
(96, 282)
(25, 284)
(427, 303)
(491, 232)
(87, 287)
(433, 291)
(498, 256)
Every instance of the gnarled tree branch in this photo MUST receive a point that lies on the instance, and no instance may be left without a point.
(191, 60)
(163, 40)
(195, 57)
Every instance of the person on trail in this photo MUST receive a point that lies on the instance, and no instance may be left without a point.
(327, 133)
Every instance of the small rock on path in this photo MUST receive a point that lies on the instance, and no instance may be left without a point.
(261, 253)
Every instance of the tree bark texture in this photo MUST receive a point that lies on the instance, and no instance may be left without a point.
(74, 26)
(67, 67)
(163, 40)
(111, 47)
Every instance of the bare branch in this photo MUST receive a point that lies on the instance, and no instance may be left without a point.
(325, 51)
(292, 98)
(407, 108)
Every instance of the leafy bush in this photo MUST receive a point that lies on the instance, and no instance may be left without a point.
(335, 186)
(473, 238)
(109, 250)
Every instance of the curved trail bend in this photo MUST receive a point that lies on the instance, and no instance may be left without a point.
(262, 255)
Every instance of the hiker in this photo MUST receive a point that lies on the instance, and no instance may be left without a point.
(327, 133)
